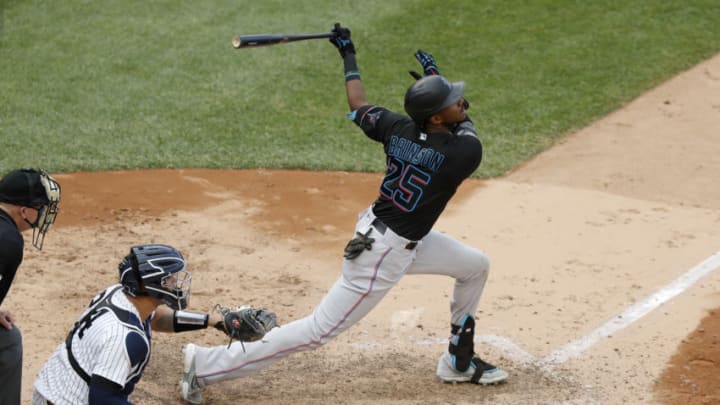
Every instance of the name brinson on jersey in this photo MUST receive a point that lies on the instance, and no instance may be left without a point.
(408, 151)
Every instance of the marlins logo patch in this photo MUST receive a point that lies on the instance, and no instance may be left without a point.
(371, 118)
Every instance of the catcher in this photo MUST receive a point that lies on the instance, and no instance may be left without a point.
(107, 349)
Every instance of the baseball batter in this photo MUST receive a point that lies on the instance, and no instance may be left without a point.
(429, 154)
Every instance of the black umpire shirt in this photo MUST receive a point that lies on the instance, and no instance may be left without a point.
(11, 252)
(424, 170)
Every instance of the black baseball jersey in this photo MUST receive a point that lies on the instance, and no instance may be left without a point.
(424, 170)
(11, 252)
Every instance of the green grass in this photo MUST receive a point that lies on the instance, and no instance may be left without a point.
(147, 84)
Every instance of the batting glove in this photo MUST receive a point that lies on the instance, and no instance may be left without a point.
(428, 63)
(342, 40)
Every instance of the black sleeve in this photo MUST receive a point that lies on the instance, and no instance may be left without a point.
(11, 254)
(105, 392)
(472, 153)
(471, 147)
(465, 128)
(375, 121)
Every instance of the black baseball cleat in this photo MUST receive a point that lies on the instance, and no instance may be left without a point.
(479, 371)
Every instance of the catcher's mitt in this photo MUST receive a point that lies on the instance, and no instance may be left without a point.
(245, 324)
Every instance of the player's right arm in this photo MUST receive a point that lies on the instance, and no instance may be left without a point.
(353, 85)
(355, 93)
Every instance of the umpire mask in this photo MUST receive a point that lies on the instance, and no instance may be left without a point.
(36, 189)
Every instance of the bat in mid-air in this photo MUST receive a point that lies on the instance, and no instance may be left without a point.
(256, 40)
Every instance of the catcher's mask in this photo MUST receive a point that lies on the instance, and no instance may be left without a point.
(36, 189)
(156, 271)
(430, 95)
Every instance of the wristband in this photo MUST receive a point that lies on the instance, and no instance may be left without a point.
(351, 69)
(184, 321)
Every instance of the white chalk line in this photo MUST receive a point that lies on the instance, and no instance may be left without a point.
(635, 312)
(576, 348)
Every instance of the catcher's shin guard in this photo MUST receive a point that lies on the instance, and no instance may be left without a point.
(462, 347)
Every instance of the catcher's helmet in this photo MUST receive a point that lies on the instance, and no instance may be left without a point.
(429, 95)
(36, 189)
(157, 271)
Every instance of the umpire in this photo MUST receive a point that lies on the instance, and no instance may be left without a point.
(28, 200)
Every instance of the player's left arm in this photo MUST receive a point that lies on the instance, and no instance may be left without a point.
(430, 68)
(168, 320)
(465, 127)
(123, 352)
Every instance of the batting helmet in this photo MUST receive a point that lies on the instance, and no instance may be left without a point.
(429, 95)
(156, 271)
(36, 189)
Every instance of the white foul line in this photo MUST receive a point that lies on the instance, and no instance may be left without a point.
(576, 348)
(635, 312)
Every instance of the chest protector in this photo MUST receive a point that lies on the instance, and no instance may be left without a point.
(99, 308)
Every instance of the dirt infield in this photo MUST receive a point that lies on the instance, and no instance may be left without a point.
(591, 296)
